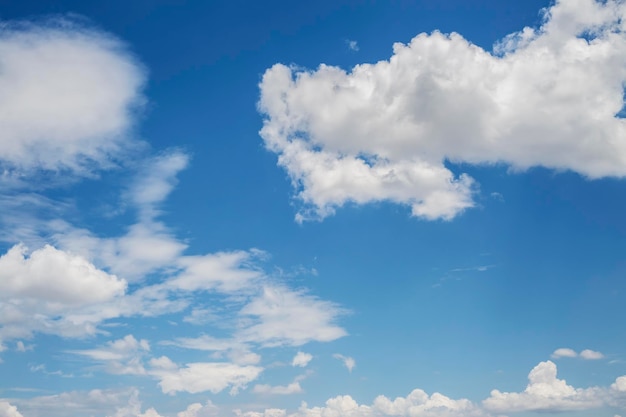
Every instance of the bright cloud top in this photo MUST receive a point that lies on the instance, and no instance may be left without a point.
(67, 95)
(546, 97)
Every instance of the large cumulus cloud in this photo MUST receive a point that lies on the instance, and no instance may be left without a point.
(549, 96)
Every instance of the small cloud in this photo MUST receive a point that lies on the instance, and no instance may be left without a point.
(478, 268)
(353, 45)
(591, 354)
(564, 353)
(586, 354)
(301, 359)
(21, 347)
(293, 388)
(348, 362)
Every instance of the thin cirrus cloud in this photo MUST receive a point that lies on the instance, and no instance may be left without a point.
(546, 97)
(348, 362)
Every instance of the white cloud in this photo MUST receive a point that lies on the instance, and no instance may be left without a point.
(564, 353)
(301, 359)
(270, 412)
(284, 317)
(547, 97)
(199, 410)
(122, 356)
(416, 404)
(203, 376)
(545, 392)
(52, 291)
(155, 181)
(68, 96)
(81, 403)
(148, 245)
(587, 354)
(8, 410)
(223, 271)
(293, 388)
(591, 354)
(348, 362)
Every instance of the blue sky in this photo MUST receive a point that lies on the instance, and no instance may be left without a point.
(312, 209)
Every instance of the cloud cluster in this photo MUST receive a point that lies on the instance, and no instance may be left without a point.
(69, 98)
(545, 97)
(545, 392)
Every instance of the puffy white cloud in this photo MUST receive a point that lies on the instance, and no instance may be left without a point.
(52, 291)
(545, 392)
(545, 97)
(348, 362)
(285, 317)
(199, 410)
(68, 96)
(587, 354)
(620, 384)
(420, 404)
(301, 359)
(293, 388)
(8, 410)
(564, 353)
(202, 376)
(55, 277)
(416, 404)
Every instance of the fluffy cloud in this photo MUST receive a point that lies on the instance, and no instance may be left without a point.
(591, 354)
(199, 410)
(416, 404)
(52, 291)
(202, 376)
(545, 97)
(564, 353)
(545, 392)
(587, 354)
(68, 96)
(8, 410)
(301, 359)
